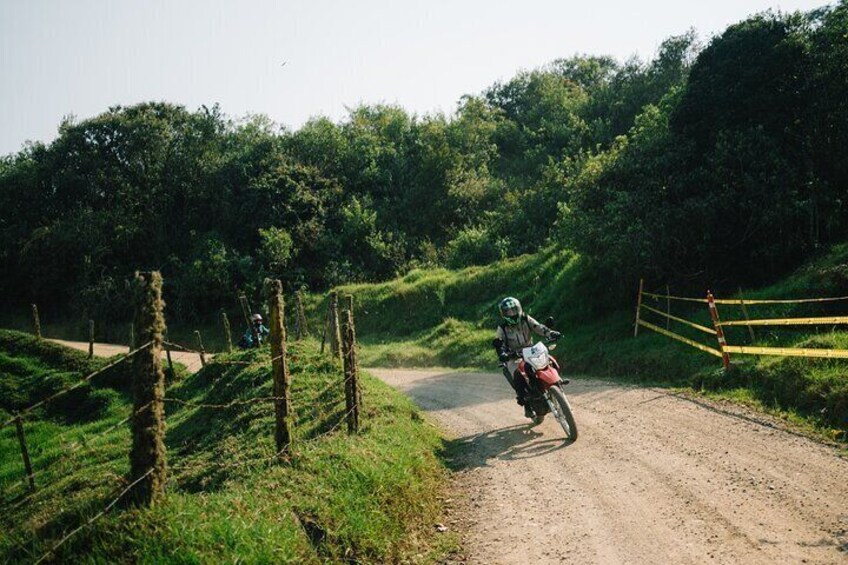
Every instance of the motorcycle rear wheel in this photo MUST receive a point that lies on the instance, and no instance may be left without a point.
(562, 412)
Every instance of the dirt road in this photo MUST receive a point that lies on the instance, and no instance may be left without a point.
(654, 478)
(190, 360)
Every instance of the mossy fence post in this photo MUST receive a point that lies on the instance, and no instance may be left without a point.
(147, 458)
(36, 322)
(350, 302)
(279, 365)
(300, 329)
(351, 375)
(19, 426)
(91, 339)
(638, 308)
(335, 330)
(201, 351)
(228, 335)
(242, 299)
(324, 328)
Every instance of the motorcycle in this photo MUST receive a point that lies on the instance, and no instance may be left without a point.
(546, 395)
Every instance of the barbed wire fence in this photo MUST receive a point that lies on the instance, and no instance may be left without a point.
(148, 470)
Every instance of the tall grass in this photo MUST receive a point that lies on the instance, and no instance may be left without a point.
(369, 498)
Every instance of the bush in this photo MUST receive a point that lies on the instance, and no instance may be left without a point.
(475, 246)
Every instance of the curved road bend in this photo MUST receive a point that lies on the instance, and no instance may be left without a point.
(190, 360)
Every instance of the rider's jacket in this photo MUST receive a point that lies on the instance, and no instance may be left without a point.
(517, 337)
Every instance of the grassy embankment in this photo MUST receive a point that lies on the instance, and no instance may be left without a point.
(442, 317)
(368, 498)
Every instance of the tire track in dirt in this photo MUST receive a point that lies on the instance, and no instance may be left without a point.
(653, 478)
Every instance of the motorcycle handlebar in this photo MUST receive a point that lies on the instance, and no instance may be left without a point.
(514, 355)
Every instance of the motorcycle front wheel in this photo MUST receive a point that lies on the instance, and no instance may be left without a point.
(562, 412)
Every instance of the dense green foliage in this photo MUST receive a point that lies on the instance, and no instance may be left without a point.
(368, 499)
(218, 204)
(734, 177)
(702, 166)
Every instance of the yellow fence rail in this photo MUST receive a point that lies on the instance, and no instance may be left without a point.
(788, 351)
(678, 337)
(681, 298)
(748, 302)
(835, 320)
(681, 320)
(724, 348)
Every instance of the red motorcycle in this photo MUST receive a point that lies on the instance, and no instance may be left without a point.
(546, 395)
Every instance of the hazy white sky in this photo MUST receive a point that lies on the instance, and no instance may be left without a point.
(80, 57)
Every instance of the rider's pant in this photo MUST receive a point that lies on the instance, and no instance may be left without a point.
(515, 379)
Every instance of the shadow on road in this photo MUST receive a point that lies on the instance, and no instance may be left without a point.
(455, 390)
(506, 444)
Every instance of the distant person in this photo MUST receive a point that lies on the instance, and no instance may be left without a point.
(512, 336)
(255, 334)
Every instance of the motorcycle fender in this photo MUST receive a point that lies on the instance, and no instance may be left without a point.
(521, 367)
(548, 377)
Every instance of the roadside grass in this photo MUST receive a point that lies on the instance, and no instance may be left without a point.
(369, 498)
(448, 318)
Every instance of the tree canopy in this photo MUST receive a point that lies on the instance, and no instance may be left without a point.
(708, 163)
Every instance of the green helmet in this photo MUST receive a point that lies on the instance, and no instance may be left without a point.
(510, 310)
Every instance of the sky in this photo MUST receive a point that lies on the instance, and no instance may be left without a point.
(293, 60)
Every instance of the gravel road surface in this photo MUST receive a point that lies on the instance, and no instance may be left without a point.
(653, 478)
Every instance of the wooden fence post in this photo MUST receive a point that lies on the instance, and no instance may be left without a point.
(91, 339)
(244, 308)
(300, 327)
(638, 308)
(36, 322)
(745, 313)
(201, 350)
(147, 457)
(667, 307)
(352, 392)
(279, 364)
(19, 425)
(335, 330)
(324, 328)
(725, 357)
(228, 336)
(358, 388)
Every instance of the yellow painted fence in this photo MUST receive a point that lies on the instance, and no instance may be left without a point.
(722, 348)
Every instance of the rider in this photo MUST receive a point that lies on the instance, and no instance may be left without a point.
(512, 336)
(255, 334)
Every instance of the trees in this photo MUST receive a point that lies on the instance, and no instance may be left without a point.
(730, 177)
(728, 165)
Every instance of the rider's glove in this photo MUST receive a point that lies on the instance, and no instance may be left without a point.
(555, 335)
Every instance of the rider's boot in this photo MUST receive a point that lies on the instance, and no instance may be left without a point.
(528, 412)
